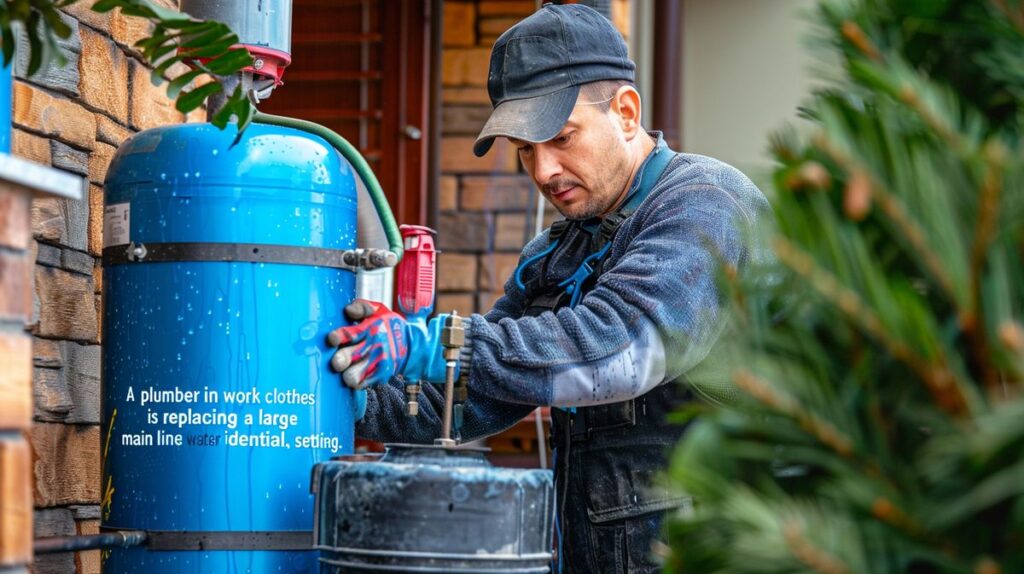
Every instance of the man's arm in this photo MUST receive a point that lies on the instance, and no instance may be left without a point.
(658, 298)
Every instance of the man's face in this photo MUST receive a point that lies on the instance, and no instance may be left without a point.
(582, 171)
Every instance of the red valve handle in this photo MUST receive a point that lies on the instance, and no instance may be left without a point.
(416, 272)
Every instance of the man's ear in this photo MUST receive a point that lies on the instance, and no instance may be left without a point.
(626, 106)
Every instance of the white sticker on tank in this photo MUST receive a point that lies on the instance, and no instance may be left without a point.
(117, 219)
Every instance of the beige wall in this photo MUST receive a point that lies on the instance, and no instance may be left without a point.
(745, 72)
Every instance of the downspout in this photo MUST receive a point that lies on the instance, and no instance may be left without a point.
(434, 131)
(668, 71)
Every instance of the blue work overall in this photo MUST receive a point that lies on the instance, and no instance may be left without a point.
(609, 510)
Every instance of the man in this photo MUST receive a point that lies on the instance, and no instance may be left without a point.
(607, 307)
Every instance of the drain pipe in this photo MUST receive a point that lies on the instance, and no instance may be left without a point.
(60, 544)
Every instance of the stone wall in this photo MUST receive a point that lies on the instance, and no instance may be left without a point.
(15, 379)
(487, 205)
(73, 118)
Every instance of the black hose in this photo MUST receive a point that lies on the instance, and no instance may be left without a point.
(119, 539)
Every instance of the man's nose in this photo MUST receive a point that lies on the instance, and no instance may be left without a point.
(546, 164)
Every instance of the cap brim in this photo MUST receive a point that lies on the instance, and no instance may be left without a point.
(535, 119)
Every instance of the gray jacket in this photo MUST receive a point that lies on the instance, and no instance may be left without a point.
(653, 315)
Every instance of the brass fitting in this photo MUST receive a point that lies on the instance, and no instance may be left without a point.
(412, 403)
(453, 336)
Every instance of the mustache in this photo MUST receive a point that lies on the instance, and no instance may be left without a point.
(561, 184)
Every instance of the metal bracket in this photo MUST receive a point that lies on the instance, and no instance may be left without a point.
(248, 252)
(230, 540)
(135, 252)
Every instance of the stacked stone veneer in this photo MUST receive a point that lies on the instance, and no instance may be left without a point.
(15, 379)
(73, 118)
(486, 204)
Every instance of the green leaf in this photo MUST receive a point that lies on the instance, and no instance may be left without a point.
(194, 98)
(179, 83)
(103, 6)
(229, 62)
(8, 46)
(55, 22)
(35, 43)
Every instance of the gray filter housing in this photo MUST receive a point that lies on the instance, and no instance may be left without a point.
(431, 509)
(263, 23)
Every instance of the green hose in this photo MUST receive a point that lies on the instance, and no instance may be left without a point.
(350, 153)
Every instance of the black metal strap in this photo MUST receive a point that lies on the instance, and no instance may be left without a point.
(246, 252)
(229, 540)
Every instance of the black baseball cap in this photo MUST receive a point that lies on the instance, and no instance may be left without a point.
(538, 66)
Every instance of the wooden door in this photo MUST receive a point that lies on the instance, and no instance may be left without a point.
(361, 68)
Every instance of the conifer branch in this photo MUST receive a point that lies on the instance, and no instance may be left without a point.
(1016, 17)
(826, 433)
(936, 377)
(984, 233)
(856, 36)
(807, 553)
(883, 509)
(897, 213)
(908, 95)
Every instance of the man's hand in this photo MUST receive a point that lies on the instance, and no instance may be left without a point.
(382, 344)
(374, 349)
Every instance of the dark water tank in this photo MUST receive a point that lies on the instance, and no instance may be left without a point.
(421, 508)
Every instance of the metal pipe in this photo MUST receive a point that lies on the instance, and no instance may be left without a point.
(542, 447)
(453, 337)
(449, 402)
(118, 539)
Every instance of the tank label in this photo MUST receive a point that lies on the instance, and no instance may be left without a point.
(233, 418)
(117, 219)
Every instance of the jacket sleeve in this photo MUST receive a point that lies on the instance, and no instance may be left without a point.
(659, 286)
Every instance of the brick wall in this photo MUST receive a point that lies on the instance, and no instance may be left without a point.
(73, 118)
(487, 204)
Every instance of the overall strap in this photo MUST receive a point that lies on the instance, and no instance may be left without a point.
(603, 231)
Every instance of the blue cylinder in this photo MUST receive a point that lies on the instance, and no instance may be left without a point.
(5, 108)
(217, 394)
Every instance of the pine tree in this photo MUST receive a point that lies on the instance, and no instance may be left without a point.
(878, 424)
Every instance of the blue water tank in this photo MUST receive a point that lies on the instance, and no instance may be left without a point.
(221, 281)
(5, 108)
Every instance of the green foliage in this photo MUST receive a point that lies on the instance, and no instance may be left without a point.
(880, 421)
(176, 37)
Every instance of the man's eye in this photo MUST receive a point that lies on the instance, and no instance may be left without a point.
(564, 139)
(525, 149)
